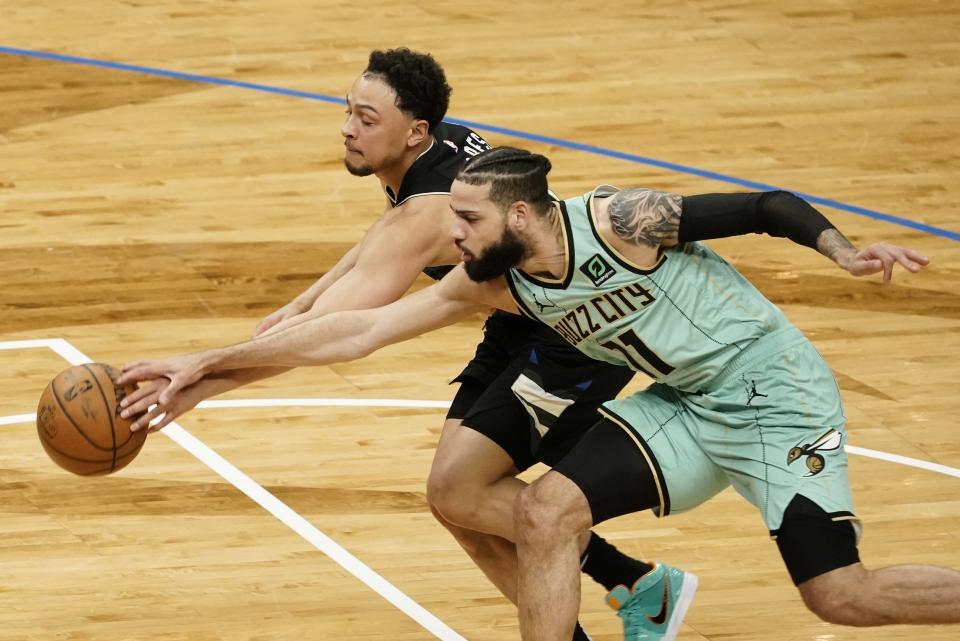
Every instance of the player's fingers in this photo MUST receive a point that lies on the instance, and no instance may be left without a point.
(128, 366)
(908, 264)
(916, 256)
(865, 267)
(140, 371)
(177, 383)
(138, 394)
(138, 407)
(144, 419)
(888, 262)
(910, 259)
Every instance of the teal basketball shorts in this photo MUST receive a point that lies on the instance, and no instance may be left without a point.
(771, 425)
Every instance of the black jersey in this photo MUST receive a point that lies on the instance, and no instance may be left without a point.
(434, 170)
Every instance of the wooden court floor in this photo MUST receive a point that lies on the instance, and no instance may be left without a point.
(168, 205)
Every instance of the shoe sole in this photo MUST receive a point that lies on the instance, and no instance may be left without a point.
(690, 582)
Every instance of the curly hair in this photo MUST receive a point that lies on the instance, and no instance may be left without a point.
(417, 79)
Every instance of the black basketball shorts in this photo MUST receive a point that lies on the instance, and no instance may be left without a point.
(531, 392)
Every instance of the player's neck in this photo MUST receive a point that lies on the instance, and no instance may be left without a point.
(392, 175)
(547, 246)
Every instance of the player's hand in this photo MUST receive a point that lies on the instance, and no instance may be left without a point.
(287, 311)
(881, 257)
(144, 404)
(180, 370)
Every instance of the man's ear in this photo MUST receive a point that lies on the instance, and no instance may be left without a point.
(419, 131)
(519, 215)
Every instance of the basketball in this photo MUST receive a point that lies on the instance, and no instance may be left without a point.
(79, 424)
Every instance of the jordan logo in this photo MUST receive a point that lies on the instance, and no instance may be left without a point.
(752, 392)
(661, 617)
(543, 306)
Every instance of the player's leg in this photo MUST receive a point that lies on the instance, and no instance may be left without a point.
(613, 470)
(550, 516)
(487, 463)
(471, 489)
(784, 451)
(897, 594)
(471, 482)
(821, 555)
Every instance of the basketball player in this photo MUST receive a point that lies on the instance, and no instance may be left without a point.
(742, 398)
(527, 396)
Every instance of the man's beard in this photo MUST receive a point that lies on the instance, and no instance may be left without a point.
(358, 170)
(497, 258)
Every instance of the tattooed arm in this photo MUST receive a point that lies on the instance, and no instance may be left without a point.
(653, 219)
(646, 217)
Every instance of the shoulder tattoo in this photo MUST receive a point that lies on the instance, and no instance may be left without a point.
(645, 216)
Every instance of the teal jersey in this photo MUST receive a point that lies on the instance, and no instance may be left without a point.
(680, 321)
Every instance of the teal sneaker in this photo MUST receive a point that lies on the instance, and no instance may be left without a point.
(654, 609)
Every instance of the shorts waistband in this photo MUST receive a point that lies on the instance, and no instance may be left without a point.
(767, 345)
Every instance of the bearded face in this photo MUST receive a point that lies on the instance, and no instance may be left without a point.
(496, 259)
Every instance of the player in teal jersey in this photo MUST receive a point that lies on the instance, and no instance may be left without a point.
(741, 398)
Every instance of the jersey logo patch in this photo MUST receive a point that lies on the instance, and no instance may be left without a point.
(597, 270)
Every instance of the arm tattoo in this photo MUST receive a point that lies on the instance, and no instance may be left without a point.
(645, 216)
(830, 242)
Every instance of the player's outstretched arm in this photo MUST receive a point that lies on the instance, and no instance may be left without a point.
(305, 300)
(339, 337)
(393, 254)
(143, 403)
(375, 272)
(780, 213)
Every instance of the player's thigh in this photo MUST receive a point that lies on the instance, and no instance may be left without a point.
(777, 429)
(466, 456)
(659, 433)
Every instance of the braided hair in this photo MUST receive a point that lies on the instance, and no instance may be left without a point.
(513, 175)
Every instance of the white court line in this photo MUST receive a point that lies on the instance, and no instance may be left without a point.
(269, 502)
(323, 402)
(40, 342)
(903, 460)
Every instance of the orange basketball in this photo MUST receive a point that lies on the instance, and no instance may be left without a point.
(79, 424)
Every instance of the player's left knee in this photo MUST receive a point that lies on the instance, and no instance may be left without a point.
(549, 510)
(449, 497)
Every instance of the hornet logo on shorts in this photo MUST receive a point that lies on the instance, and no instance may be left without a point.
(597, 270)
(826, 443)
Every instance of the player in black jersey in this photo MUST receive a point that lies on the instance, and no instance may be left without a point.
(527, 396)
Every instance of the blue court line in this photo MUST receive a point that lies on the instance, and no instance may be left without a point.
(515, 133)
